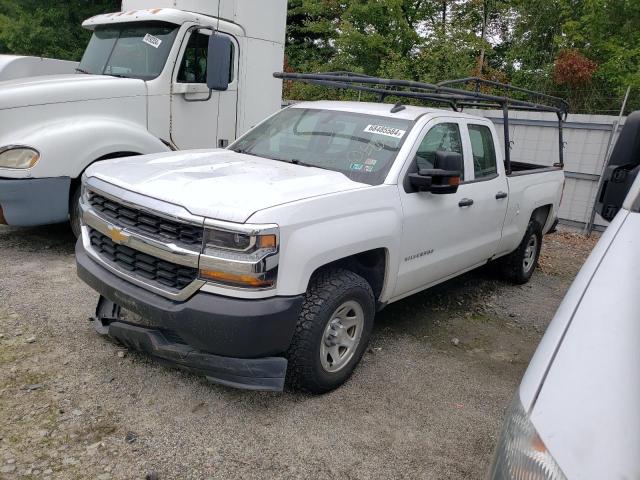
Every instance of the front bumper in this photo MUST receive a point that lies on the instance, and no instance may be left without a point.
(27, 202)
(232, 341)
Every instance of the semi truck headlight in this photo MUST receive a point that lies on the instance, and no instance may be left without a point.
(521, 454)
(243, 258)
(18, 157)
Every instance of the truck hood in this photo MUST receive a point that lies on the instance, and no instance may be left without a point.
(220, 184)
(48, 89)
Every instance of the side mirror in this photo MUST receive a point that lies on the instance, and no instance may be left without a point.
(444, 178)
(622, 169)
(218, 62)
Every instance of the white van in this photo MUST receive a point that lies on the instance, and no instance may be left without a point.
(575, 414)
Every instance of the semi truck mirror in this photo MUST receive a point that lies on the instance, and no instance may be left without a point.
(622, 169)
(218, 62)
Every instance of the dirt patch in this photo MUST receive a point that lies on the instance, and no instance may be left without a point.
(426, 402)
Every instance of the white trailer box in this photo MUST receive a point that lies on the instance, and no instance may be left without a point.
(259, 18)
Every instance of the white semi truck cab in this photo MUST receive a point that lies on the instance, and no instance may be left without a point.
(141, 87)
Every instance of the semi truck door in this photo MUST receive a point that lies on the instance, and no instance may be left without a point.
(199, 118)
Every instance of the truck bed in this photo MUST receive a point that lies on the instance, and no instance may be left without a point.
(523, 168)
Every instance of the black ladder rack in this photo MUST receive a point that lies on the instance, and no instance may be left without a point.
(445, 93)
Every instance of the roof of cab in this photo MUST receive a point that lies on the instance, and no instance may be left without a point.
(170, 15)
(410, 112)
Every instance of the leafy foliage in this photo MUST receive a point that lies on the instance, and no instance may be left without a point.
(585, 50)
(49, 29)
(573, 68)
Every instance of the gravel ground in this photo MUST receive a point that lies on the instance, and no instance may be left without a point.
(73, 405)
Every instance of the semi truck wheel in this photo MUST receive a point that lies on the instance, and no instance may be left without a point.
(332, 333)
(519, 265)
(74, 212)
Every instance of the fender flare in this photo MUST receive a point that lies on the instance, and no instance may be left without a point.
(67, 148)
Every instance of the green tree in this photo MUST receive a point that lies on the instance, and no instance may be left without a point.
(48, 29)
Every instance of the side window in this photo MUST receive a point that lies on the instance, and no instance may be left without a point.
(484, 153)
(193, 68)
(444, 137)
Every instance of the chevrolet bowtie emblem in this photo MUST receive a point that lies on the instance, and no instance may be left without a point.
(117, 235)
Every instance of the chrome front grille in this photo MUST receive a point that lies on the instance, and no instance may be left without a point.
(145, 222)
(150, 269)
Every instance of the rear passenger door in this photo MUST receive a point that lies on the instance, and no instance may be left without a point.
(487, 186)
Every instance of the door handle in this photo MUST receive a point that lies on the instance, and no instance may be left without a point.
(465, 202)
(501, 195)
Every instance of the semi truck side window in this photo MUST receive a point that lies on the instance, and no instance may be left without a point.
(484, 153)
(193, 68)
(444, 137)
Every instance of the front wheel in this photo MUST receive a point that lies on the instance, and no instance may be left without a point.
(332, 333)
(519, 265)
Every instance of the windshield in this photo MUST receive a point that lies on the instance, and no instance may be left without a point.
(132, 50)
(363, 147)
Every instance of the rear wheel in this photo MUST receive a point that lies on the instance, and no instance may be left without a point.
(519, 265)
(332, 333)
(74, 212)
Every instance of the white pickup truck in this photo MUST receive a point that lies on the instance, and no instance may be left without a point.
(269, 259)
(141, 87)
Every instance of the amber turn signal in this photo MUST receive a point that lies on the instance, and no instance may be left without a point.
(267, 241)
(235, 279)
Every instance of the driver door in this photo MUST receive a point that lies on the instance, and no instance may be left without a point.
(437, 241)
(200, 119)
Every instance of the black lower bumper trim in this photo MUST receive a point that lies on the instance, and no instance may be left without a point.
(266, 374)
(224, 326)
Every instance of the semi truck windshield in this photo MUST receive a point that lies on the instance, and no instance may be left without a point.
(132, 50)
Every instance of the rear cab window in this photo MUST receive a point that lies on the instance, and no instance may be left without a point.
(363, 147)
(483, 150)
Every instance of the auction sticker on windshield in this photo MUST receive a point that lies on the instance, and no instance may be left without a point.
(382, 130)
(151, 40)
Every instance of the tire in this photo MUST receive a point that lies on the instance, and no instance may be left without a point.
(519, 265)
(338, 310)
(74, 212)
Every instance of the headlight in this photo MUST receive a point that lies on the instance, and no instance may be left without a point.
(18, 157)
(521, 454)
(246, 258)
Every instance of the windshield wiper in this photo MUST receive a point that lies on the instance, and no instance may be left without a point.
(80, 70)
(294, 161)
(246, 152)
(304, 164)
